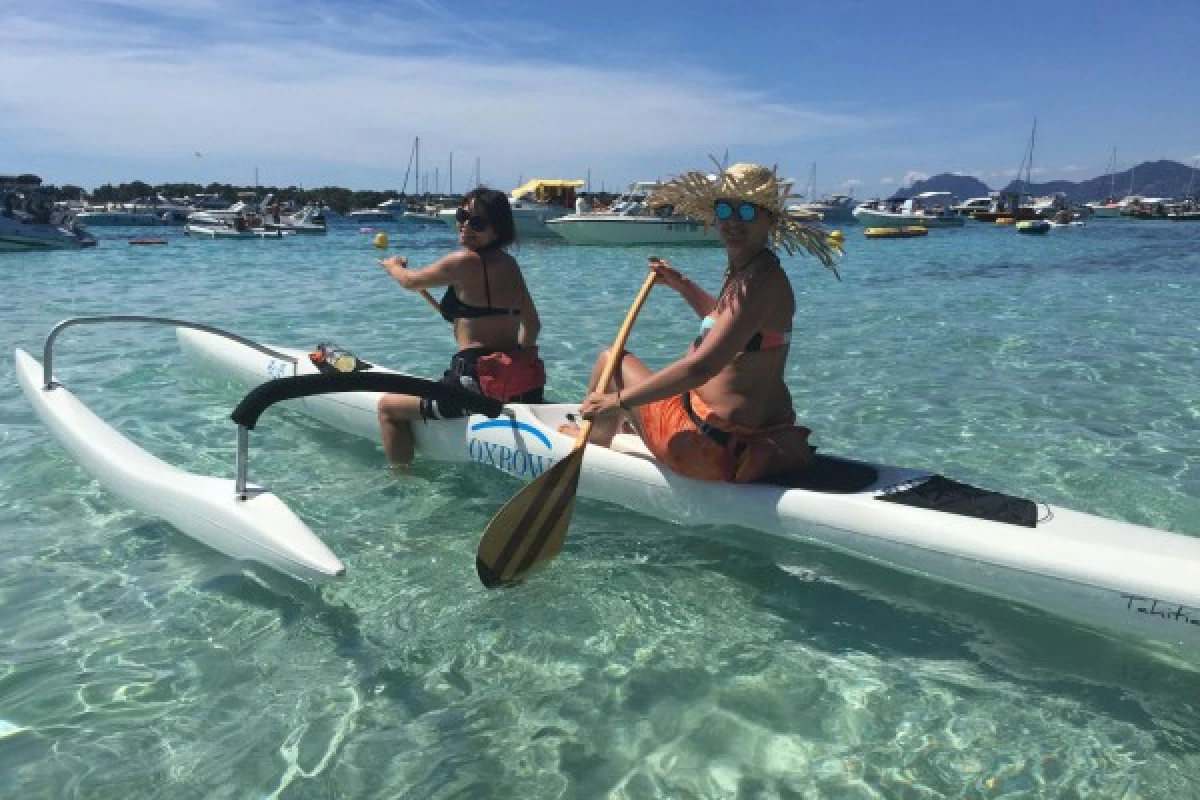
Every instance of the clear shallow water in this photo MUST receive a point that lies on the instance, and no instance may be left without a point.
(652, 660)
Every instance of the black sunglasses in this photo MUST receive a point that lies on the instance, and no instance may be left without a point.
(476, 222)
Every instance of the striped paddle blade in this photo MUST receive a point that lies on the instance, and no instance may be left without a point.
(531, 528)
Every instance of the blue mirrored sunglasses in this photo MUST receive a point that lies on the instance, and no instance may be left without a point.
(747, 212)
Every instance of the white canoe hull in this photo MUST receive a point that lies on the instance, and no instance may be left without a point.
(1122, 578)
(259, 529)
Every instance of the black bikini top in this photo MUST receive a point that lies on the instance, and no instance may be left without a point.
(454, 309)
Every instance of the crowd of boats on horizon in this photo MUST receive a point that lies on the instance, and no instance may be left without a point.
(548, 209)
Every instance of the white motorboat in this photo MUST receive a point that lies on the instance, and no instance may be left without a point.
(310, 221)
(20, 234)
(835, 209)
(371, 215)
(1117, 577)
(1109, 208)
(630, 222)
(230, 232)
(927, 209)
(968, 207)
(422, 218)
(248, 205)
(117, 217)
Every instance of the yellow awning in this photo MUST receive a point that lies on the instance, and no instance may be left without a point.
(537, 185)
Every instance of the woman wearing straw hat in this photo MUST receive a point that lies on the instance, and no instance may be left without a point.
(722, 411)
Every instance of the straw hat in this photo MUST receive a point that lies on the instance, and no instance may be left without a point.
(694, 193)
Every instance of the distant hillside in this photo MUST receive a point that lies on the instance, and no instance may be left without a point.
(1150, 178)
(961, 186)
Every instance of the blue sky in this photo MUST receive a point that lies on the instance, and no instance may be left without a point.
(319, 93)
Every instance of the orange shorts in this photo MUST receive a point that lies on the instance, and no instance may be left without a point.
(750, 455)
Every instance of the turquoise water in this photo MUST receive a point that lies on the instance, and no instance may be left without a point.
(651, 660)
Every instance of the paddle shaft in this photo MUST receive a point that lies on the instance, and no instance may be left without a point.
(428, 297)
(614, 355)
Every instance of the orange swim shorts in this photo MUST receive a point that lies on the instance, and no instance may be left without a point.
(746, 455)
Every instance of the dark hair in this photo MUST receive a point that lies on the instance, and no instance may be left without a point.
(498, 213)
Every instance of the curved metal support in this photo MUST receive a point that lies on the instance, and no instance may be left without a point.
(265, 395)
(48, 350)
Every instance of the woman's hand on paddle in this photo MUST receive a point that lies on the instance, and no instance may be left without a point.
(666, 274)
(395, 262)
(600, 404)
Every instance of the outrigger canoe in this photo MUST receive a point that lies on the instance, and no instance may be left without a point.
(1115, 576)
(1120, 578)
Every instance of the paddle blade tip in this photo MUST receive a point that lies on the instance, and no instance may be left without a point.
(489, 576)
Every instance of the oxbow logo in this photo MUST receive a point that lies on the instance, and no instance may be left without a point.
(518, 461)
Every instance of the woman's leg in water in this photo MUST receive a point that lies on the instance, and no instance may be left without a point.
(396, 415)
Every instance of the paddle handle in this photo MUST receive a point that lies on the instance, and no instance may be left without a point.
(614, 355)
(428, 297)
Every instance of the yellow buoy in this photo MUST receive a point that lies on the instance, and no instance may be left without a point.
(381, 241)
(836, 235)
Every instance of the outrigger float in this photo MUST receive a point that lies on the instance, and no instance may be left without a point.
(1117, 577)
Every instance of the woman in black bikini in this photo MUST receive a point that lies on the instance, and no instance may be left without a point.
(495, 322)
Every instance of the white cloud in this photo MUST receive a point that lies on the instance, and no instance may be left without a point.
(912, 176)
(887, 181)
(332, 91)
(851, 183)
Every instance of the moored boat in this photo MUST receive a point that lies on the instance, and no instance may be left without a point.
(228, 232)
(23, 235)
(1118, 577)
(1033, 226)
(309, 221)
(630, 222)
(927, 209)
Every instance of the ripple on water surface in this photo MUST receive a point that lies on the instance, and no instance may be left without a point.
(651, 660)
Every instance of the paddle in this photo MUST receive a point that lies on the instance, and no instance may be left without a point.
(529, 530)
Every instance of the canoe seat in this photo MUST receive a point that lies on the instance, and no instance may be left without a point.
(835, 475)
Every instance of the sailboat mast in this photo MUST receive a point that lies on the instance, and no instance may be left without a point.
(1029, 159)
(417, 154)
(1112, 175)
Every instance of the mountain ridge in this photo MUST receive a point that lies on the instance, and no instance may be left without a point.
(1163, 178)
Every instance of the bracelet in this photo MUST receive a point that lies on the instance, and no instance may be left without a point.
(621, 402)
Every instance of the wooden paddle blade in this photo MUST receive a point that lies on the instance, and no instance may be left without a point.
(530, 529)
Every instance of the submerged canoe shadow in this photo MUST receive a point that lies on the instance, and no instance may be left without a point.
(840, 603)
